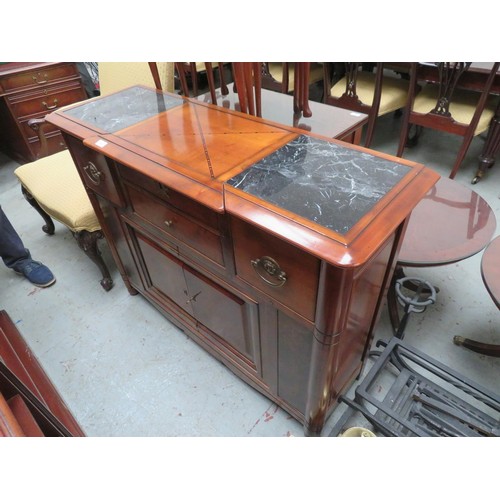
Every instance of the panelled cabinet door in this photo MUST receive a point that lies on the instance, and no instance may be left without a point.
(165, 273)
(221, 312)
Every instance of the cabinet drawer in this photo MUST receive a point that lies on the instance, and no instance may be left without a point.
(98, 175)
(280, 270)
(36, 78)
(172, 197)
(173, 223)
(51, 98)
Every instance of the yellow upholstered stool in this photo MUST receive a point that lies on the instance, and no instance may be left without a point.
(60, 194)
(52, 184)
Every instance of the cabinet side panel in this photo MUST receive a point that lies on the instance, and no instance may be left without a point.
(294, 357)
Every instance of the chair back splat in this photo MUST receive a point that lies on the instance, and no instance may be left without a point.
(248, 84)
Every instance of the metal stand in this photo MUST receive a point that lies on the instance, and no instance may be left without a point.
(424, 294)
(425, 398)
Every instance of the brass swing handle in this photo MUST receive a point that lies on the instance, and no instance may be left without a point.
(48, 106)
(93, 173)
(41, 82)
(269, 271)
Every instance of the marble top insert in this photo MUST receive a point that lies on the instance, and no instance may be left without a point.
(123, 109)
(329, 184)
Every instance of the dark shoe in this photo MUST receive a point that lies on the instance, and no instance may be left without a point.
(39, 274)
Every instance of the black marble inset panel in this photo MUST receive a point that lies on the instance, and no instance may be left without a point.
(123, 109)
(329, 184)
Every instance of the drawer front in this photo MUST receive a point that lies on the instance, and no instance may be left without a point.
(36, 78)
(98, 175)
(172, 197)
(174, 224)
(50, 99)
(283, 272)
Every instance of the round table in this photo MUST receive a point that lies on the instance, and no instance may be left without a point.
(490, 271)
(451, 223)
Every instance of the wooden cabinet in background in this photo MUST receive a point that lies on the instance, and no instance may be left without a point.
(31, 90)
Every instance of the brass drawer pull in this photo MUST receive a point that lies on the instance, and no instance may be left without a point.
(93, 173)
(41, 82)
(168, 223)
(269, 271)
(48, 107)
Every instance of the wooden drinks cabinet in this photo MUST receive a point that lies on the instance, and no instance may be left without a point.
(270, 247)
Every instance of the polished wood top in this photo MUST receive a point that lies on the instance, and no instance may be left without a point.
(490, 269)
(450, 224)
(196, 148)
(327, 120)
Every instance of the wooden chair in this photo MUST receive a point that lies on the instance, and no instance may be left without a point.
(191, 70)
(248, 83)
(52, 184)
(366, 91)
(280, 76)
(447, 107)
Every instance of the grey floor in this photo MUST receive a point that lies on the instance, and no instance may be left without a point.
(123, 370)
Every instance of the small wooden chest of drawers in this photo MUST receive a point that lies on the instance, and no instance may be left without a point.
(31, 90)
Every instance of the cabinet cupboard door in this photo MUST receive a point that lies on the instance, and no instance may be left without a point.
(221, 312)
(215, 309)
(165, 273)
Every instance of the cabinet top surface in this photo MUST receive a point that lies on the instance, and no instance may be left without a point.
(245, 162)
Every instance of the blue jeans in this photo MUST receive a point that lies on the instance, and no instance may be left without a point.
(12, 248)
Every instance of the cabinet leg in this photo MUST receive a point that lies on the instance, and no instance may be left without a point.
(323, 368)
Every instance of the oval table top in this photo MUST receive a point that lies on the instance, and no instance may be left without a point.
(490, 269)
(450, 224)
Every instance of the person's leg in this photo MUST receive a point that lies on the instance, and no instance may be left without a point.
(15, 256)
(12, 249)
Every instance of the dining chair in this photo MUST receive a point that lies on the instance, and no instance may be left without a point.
(446, 106)
(366, 89)
(52, 184)
(192, 71)
(280, 76)
(248, 84)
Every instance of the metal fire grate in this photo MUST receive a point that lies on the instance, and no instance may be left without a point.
(425, 398)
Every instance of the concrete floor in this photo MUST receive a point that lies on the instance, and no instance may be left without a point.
(123, 370)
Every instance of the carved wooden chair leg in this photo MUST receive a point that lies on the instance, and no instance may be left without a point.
(48, 227)
(88, 243)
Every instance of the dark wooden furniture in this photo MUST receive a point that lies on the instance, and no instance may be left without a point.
(329, 121)
(280, 76)
(185, 71)
(365, 91)
(448, 105)
(31, 90)
(266, 246)
(451, 223)
(490, 271)
(29, 403)
(248, 86)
